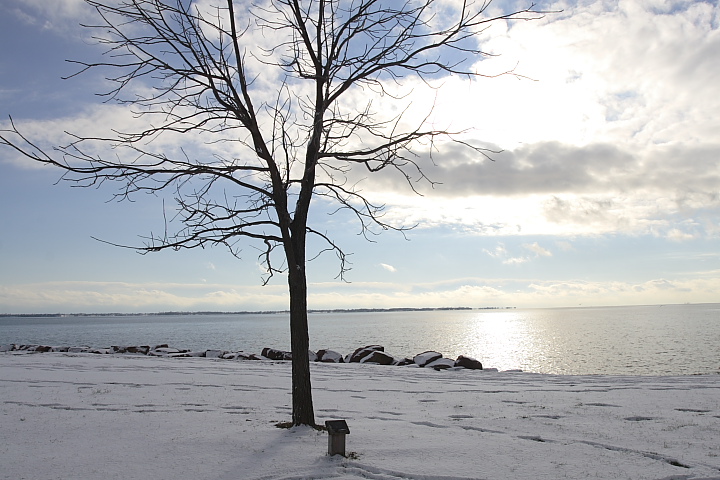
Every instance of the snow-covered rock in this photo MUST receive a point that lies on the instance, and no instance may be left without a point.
(405, 361)
(378, 357)
(422, 359)
(274, 354)
(371, 354)
(196, 354)
(164, 350)
(247, 356)
(329, 356)
(143, 349)
(441, 364)
(363, 352)
(101, 351)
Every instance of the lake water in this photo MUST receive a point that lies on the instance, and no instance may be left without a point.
(637, 340)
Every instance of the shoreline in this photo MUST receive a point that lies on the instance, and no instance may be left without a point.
(369, 354)
(248, 312)
(280, 356)
(335, 310)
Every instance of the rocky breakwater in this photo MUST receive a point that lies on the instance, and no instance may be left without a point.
(430, 359)
(370, 354)
(162, 350)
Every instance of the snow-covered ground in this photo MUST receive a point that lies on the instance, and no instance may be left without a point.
(66, 416)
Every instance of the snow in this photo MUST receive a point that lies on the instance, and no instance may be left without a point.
(117, 416)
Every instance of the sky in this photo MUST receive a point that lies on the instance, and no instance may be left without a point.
(605, 190)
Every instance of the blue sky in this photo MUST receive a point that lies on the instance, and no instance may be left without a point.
(607, 191)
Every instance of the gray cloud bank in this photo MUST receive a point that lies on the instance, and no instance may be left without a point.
(665, 190)
(556, 168)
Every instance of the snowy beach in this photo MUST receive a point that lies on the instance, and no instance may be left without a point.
(111, 416)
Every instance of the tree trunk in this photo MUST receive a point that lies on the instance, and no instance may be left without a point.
(302, 404)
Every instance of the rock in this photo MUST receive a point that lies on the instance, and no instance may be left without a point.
(100, 351)
(214, 353)
(378, 348)
(405, 361)
(78, 349)
(144, 349)
(166, 350)
(468, 362)
(329, 356)
(422, 359)
(247, 356)
(441, 364)
(181, 354)
(358, 355)
(163, 345)
(43, 349)
(274, 354)
(378, 357)
(312, 356)
(362, 352)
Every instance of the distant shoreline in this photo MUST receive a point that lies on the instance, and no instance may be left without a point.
(262, 312)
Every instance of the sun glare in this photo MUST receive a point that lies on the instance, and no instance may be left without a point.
(501, 338)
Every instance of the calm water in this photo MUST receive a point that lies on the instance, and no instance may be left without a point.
(645, 340)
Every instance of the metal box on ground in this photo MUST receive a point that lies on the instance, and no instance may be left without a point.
(337, 429)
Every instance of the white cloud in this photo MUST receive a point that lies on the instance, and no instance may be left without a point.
(678, 235)
(616, 71)
(99, 297)
(501, 253)
(537, 249)
(525, 293)
(389, 268)
(68, 297)
(62, 16)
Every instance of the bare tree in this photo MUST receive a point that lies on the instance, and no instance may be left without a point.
(200, 68)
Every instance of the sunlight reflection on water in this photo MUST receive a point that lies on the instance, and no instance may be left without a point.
(676, 339)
